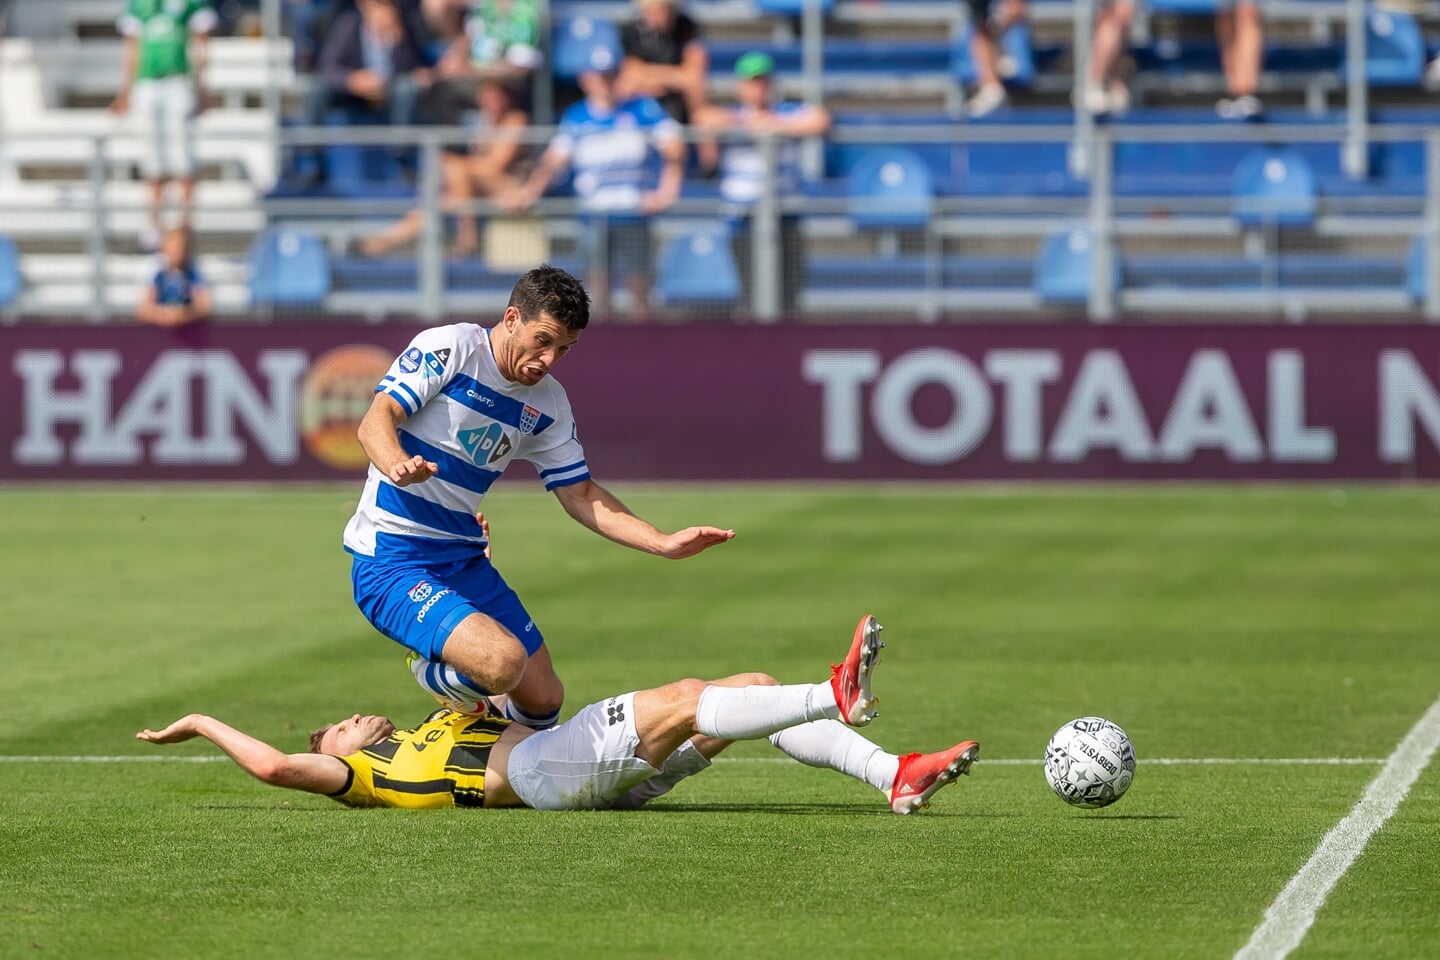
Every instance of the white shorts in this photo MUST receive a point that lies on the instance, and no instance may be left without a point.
(165, 109)
(586, 763)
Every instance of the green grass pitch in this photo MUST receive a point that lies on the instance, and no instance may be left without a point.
(1209, 622)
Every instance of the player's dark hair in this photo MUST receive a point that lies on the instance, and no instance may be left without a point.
(317, 735)
(548, 289)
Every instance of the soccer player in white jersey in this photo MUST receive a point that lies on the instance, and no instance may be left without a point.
(455, 409)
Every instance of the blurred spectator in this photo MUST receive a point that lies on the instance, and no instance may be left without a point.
(372, 61)
(742, 165)
(1104, 91)
(607, 138)
(665, 59)
(488, 40)
(487, 168)
(986, 30)
(164, 78)
(1242, 47)
(173, 293)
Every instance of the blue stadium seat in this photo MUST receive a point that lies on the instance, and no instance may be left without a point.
(1184, 7)
(576, 41)
(1274, 187)
(288, 268)
(9, 272)
(699, 267)
(890, 187)
(791, 8)
(1394, 49)
(1064, 266)
(1415, 269)
(1014, 43)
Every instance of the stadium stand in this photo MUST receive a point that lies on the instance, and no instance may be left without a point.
(903, 208)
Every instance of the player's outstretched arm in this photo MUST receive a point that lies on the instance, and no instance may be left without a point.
(600, 510)
(379, 435)
(312, 772)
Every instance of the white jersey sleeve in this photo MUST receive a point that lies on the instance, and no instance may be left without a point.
(423, 370)
(556, 452)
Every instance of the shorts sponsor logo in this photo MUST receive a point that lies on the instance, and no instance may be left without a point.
(485, 446)
(614, 712)
(530, 625)
(528, 418)
(420, 615)
(410, 360)
(434, 366)
(420, 591)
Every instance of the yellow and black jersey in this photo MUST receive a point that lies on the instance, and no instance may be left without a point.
(441, 763)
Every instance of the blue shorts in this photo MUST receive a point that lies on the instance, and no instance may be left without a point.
(419, 605)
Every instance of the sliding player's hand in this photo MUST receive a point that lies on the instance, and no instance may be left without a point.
(692, 540)
(178, 732)
(415, 470)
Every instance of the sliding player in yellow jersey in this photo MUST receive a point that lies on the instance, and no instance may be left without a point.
(617, 753)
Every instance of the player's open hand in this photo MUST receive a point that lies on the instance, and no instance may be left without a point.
(415, 470)
(692, 540)
(178, 732)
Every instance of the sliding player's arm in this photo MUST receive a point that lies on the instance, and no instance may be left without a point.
(600, 510)
(312, 772)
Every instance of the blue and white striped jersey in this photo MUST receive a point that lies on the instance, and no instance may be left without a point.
(472, 422)
(610, 152)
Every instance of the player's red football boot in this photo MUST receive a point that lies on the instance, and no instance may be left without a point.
(921, 775)
(851, 680)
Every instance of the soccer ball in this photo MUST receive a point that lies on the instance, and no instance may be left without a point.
(1089, 762)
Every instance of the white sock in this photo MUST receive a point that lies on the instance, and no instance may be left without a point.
(444, 680)
(749, 713)
(831, 744)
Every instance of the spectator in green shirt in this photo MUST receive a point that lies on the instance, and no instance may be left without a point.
(164, 83)
(488, 40)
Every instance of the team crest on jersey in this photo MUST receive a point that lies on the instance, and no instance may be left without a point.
(435, 363)
(485, 446)
(410, 360)
(528, 418)
(420, 591)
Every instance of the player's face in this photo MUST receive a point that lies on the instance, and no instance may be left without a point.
(532, 347)
(353, 733)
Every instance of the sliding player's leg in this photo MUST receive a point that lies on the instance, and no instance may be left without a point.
(909, 780)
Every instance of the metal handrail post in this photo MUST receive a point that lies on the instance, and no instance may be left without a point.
(1356, 158)
(766, 250)
(1084, 120)
(812, 53)
(1431, 262)
(432, 241)
(272, 30)
(1101, 306)
(97, 244)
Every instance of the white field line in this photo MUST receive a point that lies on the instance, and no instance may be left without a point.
(1006, 762)
(1292, 913)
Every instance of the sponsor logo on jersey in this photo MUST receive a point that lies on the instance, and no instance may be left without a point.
(528, 418)
(420, 591)
(433, 366)
(480, 398)
(485, 446)
(410, 360)
(420, 615)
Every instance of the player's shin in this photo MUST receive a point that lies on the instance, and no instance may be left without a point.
(831, 744)
(749, 713)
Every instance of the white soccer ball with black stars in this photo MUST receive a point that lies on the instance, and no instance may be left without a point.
(1090, 762)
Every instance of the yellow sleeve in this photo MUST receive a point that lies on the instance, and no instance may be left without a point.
(359, 790)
